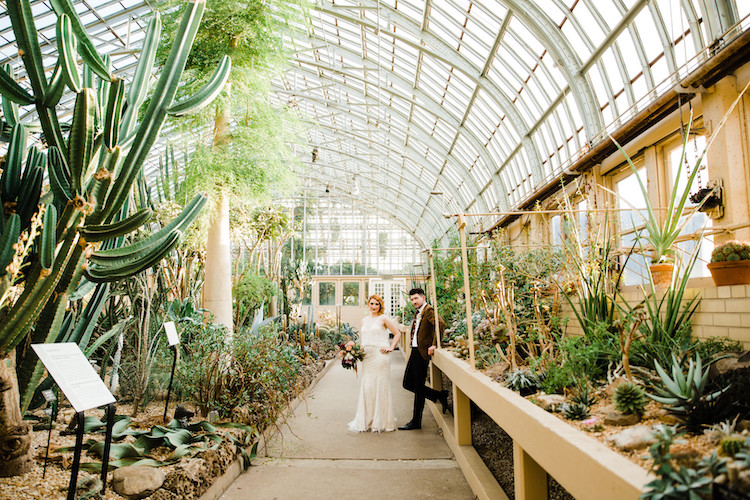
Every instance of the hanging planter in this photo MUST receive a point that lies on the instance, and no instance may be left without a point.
(730, 263)
(661, 274)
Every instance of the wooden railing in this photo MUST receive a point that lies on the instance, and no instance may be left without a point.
(542, 443)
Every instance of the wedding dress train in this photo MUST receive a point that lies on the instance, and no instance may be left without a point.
(374, 405)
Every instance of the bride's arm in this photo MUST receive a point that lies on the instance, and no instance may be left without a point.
(388, 322)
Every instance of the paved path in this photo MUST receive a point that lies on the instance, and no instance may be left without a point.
(316, 457)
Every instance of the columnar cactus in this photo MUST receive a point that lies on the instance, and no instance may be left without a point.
(91, 167)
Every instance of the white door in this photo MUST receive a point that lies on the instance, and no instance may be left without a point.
(392, 292)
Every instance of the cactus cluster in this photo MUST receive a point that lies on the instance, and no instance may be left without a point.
(92, 164)
(731, 251)
(731, 445)
(630, 398)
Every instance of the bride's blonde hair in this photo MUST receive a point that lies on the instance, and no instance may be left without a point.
(380, 301)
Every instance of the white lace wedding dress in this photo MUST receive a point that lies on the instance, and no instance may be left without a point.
(374, 405)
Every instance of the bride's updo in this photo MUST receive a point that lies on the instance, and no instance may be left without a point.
(380, 301)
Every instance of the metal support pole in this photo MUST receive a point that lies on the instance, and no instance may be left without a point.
(467, 289)
(171, 378)
(76, 457)
(107, 444)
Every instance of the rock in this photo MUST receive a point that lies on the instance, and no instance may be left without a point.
(665, 417)
(610, 389)
(726, 365)
(634, 438)
(622, 419)
(137, 481)
(496, 371)
(550, 402)
(685, 455)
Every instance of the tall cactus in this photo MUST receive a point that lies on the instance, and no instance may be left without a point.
(92, 165)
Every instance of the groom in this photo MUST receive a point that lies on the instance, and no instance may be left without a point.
(423, 345)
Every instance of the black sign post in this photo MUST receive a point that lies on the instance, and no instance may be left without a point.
(76, 456)
(107, 444)
(50, 397)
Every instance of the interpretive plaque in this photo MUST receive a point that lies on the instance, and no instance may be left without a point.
(75, 376)
(172, 337)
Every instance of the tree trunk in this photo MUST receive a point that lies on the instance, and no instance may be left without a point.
(15, 434)
(217, 287)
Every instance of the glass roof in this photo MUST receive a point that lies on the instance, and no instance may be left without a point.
(483, 101)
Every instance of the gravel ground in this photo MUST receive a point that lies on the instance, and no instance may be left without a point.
(495, 447)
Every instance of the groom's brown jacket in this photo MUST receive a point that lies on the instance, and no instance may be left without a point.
(426, 334)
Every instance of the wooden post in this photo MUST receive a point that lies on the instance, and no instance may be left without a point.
(529, 479)
(461, 417)
(433, 291)
(467, 289)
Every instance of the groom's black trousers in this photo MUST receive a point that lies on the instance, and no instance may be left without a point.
(414, 378)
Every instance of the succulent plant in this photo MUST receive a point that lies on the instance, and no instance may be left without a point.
(731, 445)
(719, 431)
(522, 380)
(575, 411)
(583, 394)
(683, 392)
(630, 398)
(732, 250)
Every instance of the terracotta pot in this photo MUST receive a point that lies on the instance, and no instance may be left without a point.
(730, 273)
(661, 275)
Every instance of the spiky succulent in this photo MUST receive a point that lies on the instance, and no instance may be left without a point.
(683, 392)
(583, 395)
(630, 398)
(522, 380)
(730, 251)
(731, 445)
(575, 411)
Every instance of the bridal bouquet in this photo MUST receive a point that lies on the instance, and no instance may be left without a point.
(350, 353)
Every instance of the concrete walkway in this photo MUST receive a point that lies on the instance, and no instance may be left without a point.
(315, 456)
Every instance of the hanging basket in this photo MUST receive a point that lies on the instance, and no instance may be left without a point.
(661, 275)
(730, 272)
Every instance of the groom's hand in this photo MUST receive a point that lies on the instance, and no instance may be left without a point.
(430, 350)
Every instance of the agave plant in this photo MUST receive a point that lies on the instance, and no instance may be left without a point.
(522, 380)
(575, 411)
(683, 392)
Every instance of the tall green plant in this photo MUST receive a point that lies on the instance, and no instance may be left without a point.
(92, 164)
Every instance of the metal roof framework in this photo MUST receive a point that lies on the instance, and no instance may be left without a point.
(484, 101)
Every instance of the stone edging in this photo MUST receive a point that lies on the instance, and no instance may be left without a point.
(233, 471)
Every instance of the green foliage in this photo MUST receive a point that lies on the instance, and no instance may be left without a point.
(250, 293)
(182, 438)
(731, 251)
(673, 484)
(247, 377)
(710, 347)
(630, 398)
(575, 411)
(556, 377)
(522, 380)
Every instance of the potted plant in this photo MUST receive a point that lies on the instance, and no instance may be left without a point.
(662, 231)
(730, 263)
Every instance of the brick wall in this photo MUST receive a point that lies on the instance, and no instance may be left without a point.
(723, 311)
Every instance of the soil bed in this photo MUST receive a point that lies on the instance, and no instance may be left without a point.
(186, 479)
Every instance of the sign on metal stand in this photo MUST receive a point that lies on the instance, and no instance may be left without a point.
(76, 378)
(173, 339)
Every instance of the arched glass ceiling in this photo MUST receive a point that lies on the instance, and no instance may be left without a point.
(484, 101)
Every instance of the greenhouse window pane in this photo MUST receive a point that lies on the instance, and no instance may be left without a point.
(351, 293)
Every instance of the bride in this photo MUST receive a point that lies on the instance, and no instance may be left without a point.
(374, 407)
